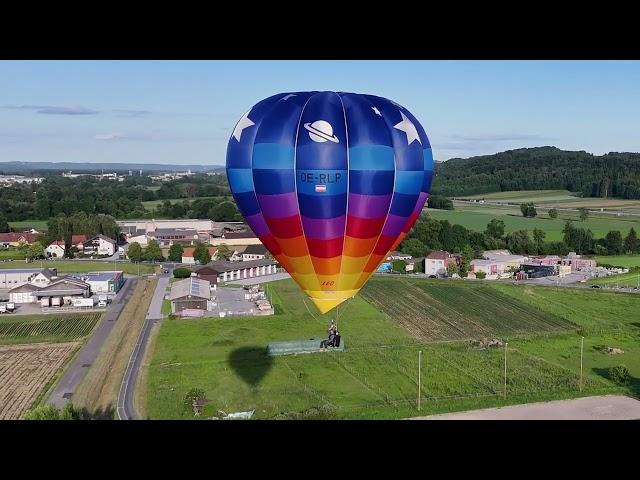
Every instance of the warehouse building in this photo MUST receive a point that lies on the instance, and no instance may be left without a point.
(12, 278)
(104, 282)
(62, 292)
(227, 271)
(189, 294)
(23, 294)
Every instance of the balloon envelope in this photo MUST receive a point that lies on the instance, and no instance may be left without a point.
(330, 182)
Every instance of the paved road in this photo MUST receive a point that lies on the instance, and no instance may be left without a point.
(608, 407)
(125, 409)
(87, 355)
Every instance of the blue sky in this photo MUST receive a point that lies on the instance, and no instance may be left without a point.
(183, 112)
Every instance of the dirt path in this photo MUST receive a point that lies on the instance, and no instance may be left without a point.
(608, 407)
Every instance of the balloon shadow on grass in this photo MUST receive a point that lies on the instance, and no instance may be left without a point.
(251, 364)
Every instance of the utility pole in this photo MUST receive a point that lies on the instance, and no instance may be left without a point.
(419, 377)
(581, 357)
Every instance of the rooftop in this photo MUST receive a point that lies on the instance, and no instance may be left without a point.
(196, 287)
(255, 250)
(102, 276)
(221, 266)
(438, 255)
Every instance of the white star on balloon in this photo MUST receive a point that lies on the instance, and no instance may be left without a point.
(409, 128)
(376, 111)
(244, 122)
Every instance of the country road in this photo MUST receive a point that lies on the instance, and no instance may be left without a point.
(76, 371)
(126, 410)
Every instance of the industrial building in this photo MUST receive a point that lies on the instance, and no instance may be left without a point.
(104, 282)
(190, 294)
(227, 271)
(62, 292)
(12, 278)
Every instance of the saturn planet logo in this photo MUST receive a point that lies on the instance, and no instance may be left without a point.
(321, 131)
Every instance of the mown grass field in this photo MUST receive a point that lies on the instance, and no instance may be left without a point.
(477, 217)
(619, 260)
(10, 254)
(606, 319)
(52, 328)
(559, 198)
(82, 266)
(433, 310)
(37, 224)
(376, 377)
(625, 280)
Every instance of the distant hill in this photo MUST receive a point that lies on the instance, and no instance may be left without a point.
(541, 168)
(27, 168)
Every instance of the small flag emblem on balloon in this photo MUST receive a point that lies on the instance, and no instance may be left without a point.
(321, 188)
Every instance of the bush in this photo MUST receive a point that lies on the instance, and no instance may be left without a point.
(619, 374)
(182, 273)
(481, 275)
(193, 394)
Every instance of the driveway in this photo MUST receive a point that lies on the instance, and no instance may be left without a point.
(608, 407)
(89, 352)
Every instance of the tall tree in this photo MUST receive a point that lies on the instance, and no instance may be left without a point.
(495, 228)
(153, 252)
(4, 225)
(134, 252)
(553, 213)
(413, 247)
(613, 242)
(538, 240)
(631, 244)
(584, 214)
(223, 252)
(201, 254)
(175, 252)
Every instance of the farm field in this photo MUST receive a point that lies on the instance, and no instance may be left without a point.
(559, 198)
(25, 370)
(46, 328)
(432, 310)
(37, 224)
(619, 260)
(477, 217)
(82, 266)
(376, 376)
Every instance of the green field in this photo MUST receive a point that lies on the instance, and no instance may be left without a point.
(151, 204)
(625, 280)
(10, 254)
(82, 266)
(619, 260)
(477, 217)
(37, 224)
(45, 328)
(431, 310)
(536, 196)
(376, 377)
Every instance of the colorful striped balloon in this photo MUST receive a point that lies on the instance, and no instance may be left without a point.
(330, 182)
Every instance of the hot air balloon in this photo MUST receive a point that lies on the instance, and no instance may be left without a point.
(330, 182)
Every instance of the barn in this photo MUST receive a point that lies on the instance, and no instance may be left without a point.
(189, 294)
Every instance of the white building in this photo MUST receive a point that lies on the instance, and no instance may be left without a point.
(100, 245)
(254, 252)
(56, 249)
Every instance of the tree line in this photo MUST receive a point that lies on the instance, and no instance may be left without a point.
(57, 195)
(429, 234)
(541, 168)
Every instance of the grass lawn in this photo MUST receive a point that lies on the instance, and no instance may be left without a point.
(10, 254)
(37, 224)
(607, 319)
(620, 260)
(625, 280)
(166, 307)
(477, 217)
(376, 376)
(81, 266)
